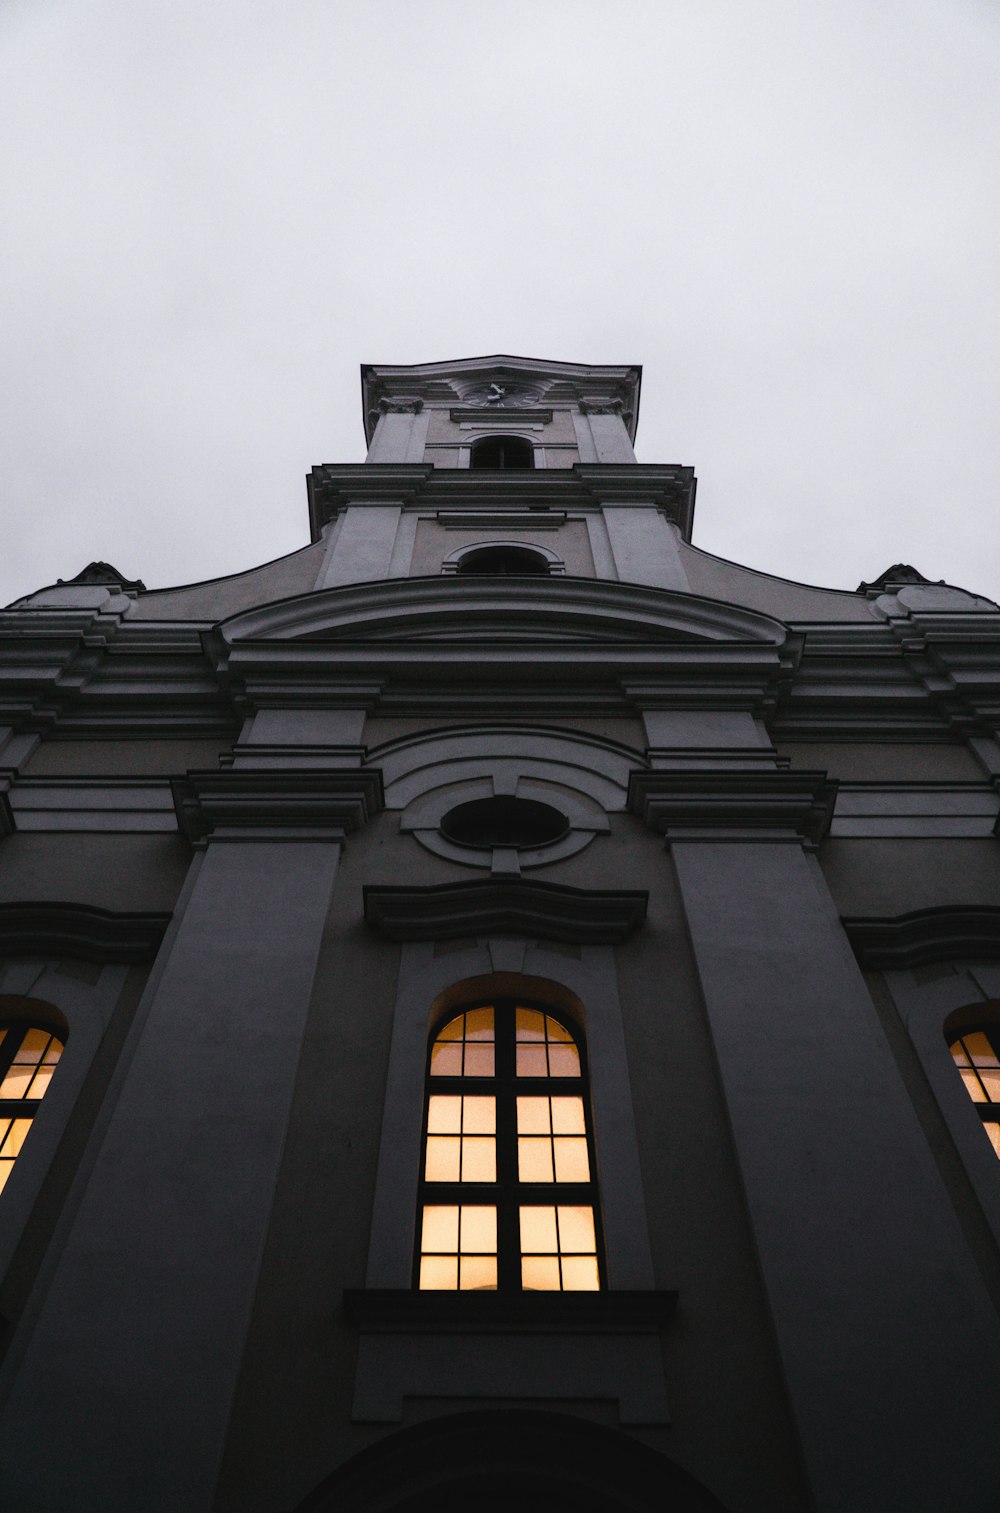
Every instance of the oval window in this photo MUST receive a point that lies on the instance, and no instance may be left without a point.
(504, 821)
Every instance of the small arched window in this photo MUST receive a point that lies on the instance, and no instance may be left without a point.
(977, 1055)
(505, 561)
(28, 1057)
(502, 452)
(507, 1200)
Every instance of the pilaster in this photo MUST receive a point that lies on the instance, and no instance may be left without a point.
(884, 1328)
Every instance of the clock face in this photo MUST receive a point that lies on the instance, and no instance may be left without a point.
(502, 395)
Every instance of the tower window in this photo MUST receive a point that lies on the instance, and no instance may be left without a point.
(28, 1057)
(976, 1053)
(513, 561)
(502, 452)
(508, 1200)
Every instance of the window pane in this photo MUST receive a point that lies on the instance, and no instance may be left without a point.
(479, 1159)
(32, 1047)
(533, 1117)
(16, 1082)
(478, 1272)
(440, 1228)
(564, 1061)
(13, 1139)
(567, 1116)
(991, 1082)
(993, 1130)
(538, 1231)
(530, 1025)
(540, 1273)
(479, 1230)
(534, 1159)
(479, 1060)
(579, 1274)
(479, 1116)
(479, 1024)
(576, 1230)
(572, 1161)
(438, 1273)
(532, 1061)
(958, 1051)
(6, 1167)
(446, 1059)
(42, 1078)
(973, 1086)
(556, 1031)
(442, 1158)
(979, 1048)
(444, 1115)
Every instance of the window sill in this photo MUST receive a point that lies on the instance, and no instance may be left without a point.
(388, 1310)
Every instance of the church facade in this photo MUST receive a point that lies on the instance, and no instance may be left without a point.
(500, 1005)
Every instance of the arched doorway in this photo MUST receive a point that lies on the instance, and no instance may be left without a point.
(511, 1460)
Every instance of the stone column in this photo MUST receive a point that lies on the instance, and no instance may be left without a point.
(645, 546)
(883, 1325)
(137, 1345)
(401, 432)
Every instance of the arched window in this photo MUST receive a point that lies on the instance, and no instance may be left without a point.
(28, 1057)
(502, 452)
(512, 561)
(977, 1055)
(507, 1197)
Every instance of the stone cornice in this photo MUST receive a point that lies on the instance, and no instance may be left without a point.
(584, 486)
(535, 910)
(926, 935)
(308, 805)
(744, 806)
(67, 929)
(447, 644)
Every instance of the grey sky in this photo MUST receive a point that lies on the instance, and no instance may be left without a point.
(213, 212)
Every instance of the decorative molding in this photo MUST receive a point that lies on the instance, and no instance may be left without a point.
(523, 414)
(900, 572)
(377, 1310)
(403, 405)
(539, 911)
(735, 806)
(58, 929)
(926, 935)
(482, 520)
(103, 574)
(308, 805)
(601, 406)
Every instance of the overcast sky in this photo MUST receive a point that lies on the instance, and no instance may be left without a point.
(214, 210)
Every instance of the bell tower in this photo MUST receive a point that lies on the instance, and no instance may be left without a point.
(502, 464)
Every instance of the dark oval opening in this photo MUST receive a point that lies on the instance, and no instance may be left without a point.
(502, 452)
(512, 561)
(505, 821)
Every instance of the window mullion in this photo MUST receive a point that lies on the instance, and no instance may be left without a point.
(508, 1226)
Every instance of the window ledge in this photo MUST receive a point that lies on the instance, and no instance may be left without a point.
(388, 1310)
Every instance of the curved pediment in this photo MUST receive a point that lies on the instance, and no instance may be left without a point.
(501, 611)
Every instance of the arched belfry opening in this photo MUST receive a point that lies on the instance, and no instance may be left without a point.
(503, 561)
(507, 452)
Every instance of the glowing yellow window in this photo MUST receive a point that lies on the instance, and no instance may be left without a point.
(977, 1055)
(28, 1058)
(507, 1194)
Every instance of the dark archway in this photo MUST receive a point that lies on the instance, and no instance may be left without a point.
(493, 1462)
(502, 452)
(504, 561)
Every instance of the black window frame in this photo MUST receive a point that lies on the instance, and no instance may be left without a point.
(10, 1044)
(508, 1193)
(989, 1111)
